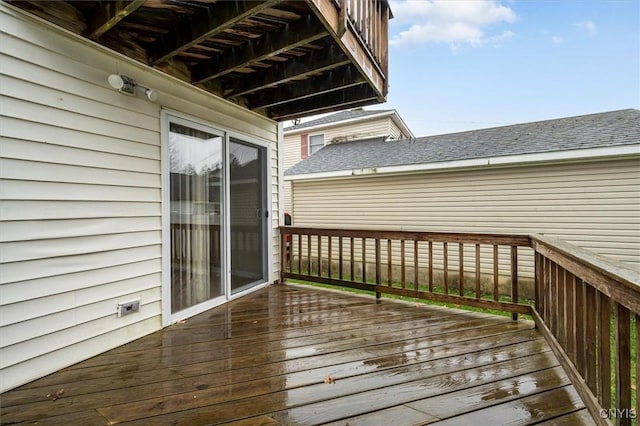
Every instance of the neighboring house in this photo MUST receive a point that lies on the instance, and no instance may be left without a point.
(303, 140)
(577, 178)
(126, 210)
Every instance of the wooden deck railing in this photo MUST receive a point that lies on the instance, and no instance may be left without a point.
(590, 305)
(424, 265)
(370, 20)
(577, 295)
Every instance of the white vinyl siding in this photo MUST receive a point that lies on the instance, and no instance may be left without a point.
(80, 187)
(594, 205)
(336, 132)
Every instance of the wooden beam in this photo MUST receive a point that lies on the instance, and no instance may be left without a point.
(337, 79)
(295, 34)
(109, 14)
(295, 68)
(362, 94)
(333, 108)
(217, 18)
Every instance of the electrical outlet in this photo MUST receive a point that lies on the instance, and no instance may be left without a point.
(127, 308)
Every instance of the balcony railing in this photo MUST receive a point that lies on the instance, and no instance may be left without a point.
(370, 20)
(586, 306)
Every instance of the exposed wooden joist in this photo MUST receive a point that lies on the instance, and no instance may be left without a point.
(353, 96)
(314, 62)
(218, 18)
(109, 14)
(340, 78)
(298, 33)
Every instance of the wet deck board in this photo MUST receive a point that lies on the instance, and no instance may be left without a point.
(265, 359)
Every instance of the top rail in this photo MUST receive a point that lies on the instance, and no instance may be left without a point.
(453, 237)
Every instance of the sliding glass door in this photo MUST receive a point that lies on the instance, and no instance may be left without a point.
(216, 217)
(196, 174)
(247, 201)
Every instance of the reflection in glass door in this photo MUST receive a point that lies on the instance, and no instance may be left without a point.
(248, 214)
(196, 171)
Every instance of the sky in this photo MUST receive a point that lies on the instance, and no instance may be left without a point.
(457, 65)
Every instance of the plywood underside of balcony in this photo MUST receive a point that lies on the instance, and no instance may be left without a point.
(298, 355)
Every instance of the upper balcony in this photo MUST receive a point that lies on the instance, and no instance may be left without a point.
(282, 59)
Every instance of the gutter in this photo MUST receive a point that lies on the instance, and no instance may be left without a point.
(339, 123)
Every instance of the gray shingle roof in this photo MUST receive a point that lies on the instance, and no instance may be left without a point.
(334, 118)
(606, 129)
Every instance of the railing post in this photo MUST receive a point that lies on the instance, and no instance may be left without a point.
(283, 255)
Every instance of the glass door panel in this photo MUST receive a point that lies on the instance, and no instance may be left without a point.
(196, 171)
(248, 214)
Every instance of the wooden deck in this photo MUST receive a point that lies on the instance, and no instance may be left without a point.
(293, 355)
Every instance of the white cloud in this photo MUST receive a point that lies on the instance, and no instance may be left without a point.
(587, 26)
(453, 22)
(557, 39)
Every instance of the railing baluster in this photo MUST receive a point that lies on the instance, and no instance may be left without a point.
(389, 264)
(341, 259)
(364, 260)
(329, 257)
(402, 271)
(309, 254)
(637, 317)
(445, 255)
(378, 267)
(590, 337)
(562, 310)
(623, 362)
(319, 255)
(352, 260)
(461, 269)
(496, 277)
(415, 265)
(430, 267)
(514, 278)
(478, 290)
(553, 296)
(289, 251)
(546, 294)
(604, 350)
(580, 321)
(571, 316)
(539, 282)
(299, 253)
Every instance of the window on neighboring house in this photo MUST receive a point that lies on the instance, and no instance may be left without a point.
(315, 143)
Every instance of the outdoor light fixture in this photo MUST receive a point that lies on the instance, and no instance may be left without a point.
(128, 86)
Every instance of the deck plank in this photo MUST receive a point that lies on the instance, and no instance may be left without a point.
(263, 359)
(524, 411)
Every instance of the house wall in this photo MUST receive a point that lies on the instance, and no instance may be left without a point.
(80, 170)
(595, 205)
(360, 130)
